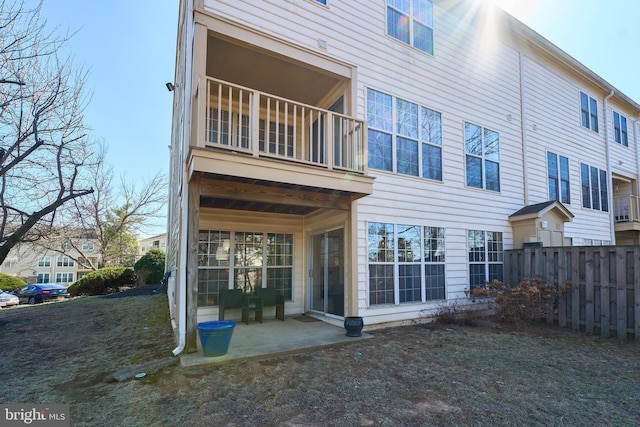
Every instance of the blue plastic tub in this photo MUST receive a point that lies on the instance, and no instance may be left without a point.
(215, 336)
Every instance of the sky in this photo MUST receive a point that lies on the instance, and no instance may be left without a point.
(129, 48)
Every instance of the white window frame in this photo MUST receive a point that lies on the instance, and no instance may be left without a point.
(436, 258)
(588, 113)
(484, 156)
(487, 257)
(65, 261)
(620, 130)
(560, 196)
(44, 261)
(43, 278)
(425, 132)
(413, 21)
(62, 277)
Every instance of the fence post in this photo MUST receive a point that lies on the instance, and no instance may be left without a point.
(621, 285)
(605, 311)
(575, 288)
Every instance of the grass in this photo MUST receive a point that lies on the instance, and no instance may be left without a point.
(413, 375)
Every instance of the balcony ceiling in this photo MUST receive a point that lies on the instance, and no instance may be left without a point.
(268, 72)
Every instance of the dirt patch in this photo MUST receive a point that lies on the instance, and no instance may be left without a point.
(414, 375)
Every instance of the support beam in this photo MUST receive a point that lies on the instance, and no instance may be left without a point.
(272, 194)
(192, 263)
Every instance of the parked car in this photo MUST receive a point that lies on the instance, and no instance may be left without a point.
(41, 292)
(7, 299)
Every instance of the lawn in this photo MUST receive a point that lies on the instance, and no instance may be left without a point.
(413, 375)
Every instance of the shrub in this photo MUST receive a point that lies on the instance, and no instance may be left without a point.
(524, 303)
(9, 283)
(103, 281)
(150, 268)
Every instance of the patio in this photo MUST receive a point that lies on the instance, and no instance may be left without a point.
(274, 338)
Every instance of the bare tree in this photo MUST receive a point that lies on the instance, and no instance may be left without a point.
(111, 216)
(44, 149)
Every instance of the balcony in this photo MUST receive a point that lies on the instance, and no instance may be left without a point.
(254, 138)
(626, 213)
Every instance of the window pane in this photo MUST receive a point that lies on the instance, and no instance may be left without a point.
(553, 189)
(281, 279)
(423, 10)
(564, 180)
(552, 165)
(477, 275)
(492, 177)
(398, 25)
(584, 109)
(473, 139)
(494, 246)
(379, 110)
(474, 172)
(407, 156)
(434, 244)
(407, 118)
(586, 188)
(381, 284)
(210, 281)
(434, 282)
(594, 114)
(623, 131)
(409, 283)
(401, 5)
(247, 279)
(409, 243)
(496, 272)
(431, 162)
(595, 189)
(616, 127)
(431, 126)
(423, 38)
(491, 145)
(381, 241)
(380, 151)
(475, 242)
(604, 194)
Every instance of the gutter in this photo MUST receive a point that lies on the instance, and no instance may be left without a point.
(184, 217)
(612, 231)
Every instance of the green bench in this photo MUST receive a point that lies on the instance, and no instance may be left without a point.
(231, 299)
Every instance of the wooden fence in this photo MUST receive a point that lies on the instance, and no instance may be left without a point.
(604, 281)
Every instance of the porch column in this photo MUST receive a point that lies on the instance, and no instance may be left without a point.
(351, 237)
(201, 87)
(193, 227)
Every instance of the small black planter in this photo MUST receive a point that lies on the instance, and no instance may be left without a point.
(353, 325)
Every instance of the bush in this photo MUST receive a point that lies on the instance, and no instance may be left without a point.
(103, 281)
(10, 283)
(524, 303)
(150, 268)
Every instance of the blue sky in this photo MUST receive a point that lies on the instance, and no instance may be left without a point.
(129, 47)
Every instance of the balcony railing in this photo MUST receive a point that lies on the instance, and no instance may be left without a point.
(248, 121)
(626, 208)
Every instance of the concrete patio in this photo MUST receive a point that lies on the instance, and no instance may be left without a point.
(273, 338)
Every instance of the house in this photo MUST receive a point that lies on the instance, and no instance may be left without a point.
(61, 261)
(153, 242)
(366, 158)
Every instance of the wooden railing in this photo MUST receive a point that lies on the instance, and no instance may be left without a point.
(626, 208)
(604, 285)
(248, 121)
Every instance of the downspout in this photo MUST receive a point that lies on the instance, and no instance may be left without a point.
(523, 129)
(180, 276)
(612, 231)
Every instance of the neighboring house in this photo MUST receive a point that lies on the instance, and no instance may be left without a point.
(155, 242)
(34, 263)
(375, 158)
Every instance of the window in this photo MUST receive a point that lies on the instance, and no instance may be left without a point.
(595, 194)
(589, 112)
(620, 129)
(322, 2)
(411, 22)
(44, 261)
(229, 129)
(65, 261)
(485, 257)
(482, 147)
(411, 145)
(243, 260)
(43, 278)
(406, 263)
(64, 277)
(558, 170)
(87, 246)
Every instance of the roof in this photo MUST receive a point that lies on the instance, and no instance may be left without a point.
(540, 209)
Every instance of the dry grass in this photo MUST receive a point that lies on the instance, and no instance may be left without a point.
(416, 375)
